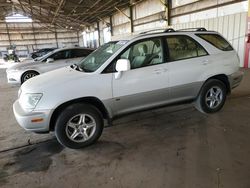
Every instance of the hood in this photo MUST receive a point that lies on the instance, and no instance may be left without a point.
(52, 80)
(30, 60)
(24, 65)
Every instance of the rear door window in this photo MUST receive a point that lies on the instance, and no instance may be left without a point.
(217, 41)
(182, 47)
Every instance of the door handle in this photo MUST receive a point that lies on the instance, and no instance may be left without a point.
(158, 71)
(205, 62)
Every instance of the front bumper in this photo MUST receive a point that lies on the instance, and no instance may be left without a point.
(235, 79)
(13, 77)
(29, 121)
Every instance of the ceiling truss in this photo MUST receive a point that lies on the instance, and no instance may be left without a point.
(69, 14)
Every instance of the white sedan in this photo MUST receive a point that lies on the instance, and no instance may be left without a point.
(21, 72)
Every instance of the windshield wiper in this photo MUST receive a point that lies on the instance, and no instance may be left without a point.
(76, 67)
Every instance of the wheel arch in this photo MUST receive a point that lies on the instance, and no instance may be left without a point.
(89, 100)
(30, 70)
(221, 77)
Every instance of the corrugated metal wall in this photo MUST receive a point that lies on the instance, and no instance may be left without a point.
(146, 15)
(32, 36)
(232, 27)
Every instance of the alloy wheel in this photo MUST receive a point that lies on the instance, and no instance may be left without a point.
(80, 128)
(214, 97)
(28, 76)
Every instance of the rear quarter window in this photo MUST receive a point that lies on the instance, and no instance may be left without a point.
(182, 47)
(217, 41)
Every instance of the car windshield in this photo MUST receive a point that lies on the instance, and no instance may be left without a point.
(93, 61)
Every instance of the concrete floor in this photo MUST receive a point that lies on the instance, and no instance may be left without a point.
(172, 147)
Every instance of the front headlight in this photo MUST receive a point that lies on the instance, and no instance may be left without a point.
(28, 101)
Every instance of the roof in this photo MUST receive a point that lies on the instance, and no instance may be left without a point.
(63, 13)
(70, 48)
(162, 31)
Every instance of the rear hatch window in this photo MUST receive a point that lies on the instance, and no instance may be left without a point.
(216, 40)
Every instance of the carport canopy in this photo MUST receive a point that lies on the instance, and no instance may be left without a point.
(69, 14)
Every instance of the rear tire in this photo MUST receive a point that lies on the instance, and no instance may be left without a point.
(212, 96)
(79, 125)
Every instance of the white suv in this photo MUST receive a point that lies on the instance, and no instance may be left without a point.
(148, 71)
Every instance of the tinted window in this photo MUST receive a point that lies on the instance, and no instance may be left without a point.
(80, 53)
(217, 41)
(110, 68)
(145, 53)
(65, 54)
(183, 47)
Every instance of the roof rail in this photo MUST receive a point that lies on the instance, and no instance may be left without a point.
(172, 30)
(152, 30)
(169, 30)
(193, 29)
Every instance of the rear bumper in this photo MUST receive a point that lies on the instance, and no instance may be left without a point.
(235, 79)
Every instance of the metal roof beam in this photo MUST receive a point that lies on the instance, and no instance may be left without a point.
(57, 10)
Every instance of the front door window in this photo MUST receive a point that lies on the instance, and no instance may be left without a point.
(145, 53)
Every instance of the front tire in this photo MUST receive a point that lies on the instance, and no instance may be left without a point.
(212, 96)
(27, 75)
(79, 125)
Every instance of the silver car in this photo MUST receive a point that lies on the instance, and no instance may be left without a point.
(151, 70)
(21, 72)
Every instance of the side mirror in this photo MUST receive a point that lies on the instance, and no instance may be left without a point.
(49, 60)
(121, 66)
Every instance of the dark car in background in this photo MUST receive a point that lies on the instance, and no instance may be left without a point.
(41, 52)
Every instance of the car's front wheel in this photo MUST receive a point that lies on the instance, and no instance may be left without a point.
(27, 75)
(211, 97)
(79, 125)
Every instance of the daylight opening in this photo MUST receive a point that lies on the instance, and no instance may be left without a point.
(17, 18)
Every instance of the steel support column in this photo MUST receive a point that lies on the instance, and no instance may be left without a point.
(56, 38)
(111, 26)
(8, 33)
(169, 4)
(131, 18)
(98, 30)
(247, 40)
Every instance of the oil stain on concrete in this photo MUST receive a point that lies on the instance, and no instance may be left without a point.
(36, 158)
(3, 176)
(30, 159)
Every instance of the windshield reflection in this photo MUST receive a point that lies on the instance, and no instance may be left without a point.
(97, 58)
